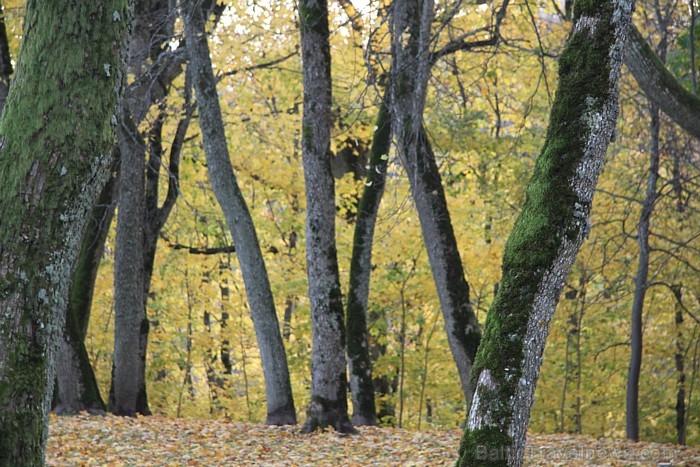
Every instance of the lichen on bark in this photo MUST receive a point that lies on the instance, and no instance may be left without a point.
(547, 234)
(56, 136)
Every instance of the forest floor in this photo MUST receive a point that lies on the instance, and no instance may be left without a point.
(155, 441)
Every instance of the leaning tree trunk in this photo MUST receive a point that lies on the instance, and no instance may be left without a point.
(660, 86)
(278, 389)
(328, 406)
(359, 362)
(547, 234)
(640, 283)
(76, 385)
(56, 135)
(411, 70)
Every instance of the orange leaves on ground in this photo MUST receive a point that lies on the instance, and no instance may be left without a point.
(89, 440)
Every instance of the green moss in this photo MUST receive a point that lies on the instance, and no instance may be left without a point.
(548, 215)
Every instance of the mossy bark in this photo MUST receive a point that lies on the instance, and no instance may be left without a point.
(76, 385)
(411, 33)
(547, 234)
(278, 389)
(56, 137)
(359, 362)
(328, 405)
(660, 86)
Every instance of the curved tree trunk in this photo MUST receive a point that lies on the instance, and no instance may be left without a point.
(359, 362)
(278, 390)
(411, 70)
(328, 406)
(55, 157)
(660, 86)
(547, 234)
(76, 386)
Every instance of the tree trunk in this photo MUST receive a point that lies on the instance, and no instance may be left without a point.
(411, 70)
(359, 363)
(680, 366)
(55, 157)
(128, 394)
(5, 61)
(640, 284)
(328, 405)
(76, 386)
(278, 389)
(547, 234)
(660, 86)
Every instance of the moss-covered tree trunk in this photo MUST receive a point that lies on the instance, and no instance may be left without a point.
(56, 140)
(411, 43)
(278, 389)
(76, 385)
(359, 362)
(660, 86)
(547, 234)
(328, 405)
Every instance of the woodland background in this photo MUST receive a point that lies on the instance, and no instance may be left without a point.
(486, 115)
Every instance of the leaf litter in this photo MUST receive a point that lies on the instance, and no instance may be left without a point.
(86, 440)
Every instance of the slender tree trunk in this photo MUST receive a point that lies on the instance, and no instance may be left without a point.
(328, 406)
(640, 284)
(55, 156)
(411, 70)
(680, 365)
(278, 389)
(359, 363)
(547, 234)
(76, 385)
(5, 61)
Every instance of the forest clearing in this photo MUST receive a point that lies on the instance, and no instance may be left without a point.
(86, 440)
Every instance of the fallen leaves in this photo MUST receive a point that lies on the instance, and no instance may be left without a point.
(85, 440)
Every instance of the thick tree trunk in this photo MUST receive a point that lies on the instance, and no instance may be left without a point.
(547, 234)
(328, 406)
(55, 156)
(411, 70)
(359, 362)
(128, 394)
(76, 386)
(278, 390)
(640, 284)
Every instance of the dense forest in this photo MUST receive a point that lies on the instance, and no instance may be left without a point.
(352, 213)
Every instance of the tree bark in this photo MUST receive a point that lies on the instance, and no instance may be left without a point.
(547, 234)
(640, 284)
(660, 86)
(411, 70)
(328, 405)
(278, 390)
(56, 137)
(5, 61)
(76, 385)
(359, 362)
(155, 67)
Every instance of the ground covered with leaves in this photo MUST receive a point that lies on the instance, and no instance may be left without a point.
(109, 440)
